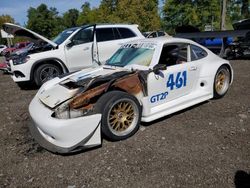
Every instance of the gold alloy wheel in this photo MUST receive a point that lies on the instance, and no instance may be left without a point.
(123, 117)
(222, 81)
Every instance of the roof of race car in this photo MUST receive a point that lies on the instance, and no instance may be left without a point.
(162, 40)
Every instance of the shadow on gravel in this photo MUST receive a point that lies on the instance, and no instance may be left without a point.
(27, 86)
(78, 152)
(242, 179)
(34, 148)
(29, 144)
(174, 114)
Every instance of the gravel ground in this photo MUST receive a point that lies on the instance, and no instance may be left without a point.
(204, 146)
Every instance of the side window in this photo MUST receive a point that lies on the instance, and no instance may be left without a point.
(183, 53)
(126, 33)
(104, 34)
(173, 54)
(197, 53)
(152, 35)
(161, 33)
(83, 36)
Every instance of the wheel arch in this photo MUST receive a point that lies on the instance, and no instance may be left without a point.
(230, 71)
(54, 61)
(125, 91)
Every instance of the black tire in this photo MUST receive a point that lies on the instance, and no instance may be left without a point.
(221, 82)
(121, 115)
(46, 72)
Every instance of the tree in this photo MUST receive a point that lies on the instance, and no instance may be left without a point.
(191, 12)
(141, 12)
(44, 21)
(245, 9)
(87, 15)
(70, 18)
(3, 19)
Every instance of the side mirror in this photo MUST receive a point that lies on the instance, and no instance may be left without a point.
(158, 67)
(70, 44)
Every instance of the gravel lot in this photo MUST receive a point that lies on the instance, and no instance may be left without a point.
(205, 146)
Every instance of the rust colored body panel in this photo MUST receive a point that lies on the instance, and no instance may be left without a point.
(129, 83)
(83, 99)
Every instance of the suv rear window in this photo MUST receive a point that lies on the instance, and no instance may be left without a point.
(104, 34)
(107, 34)
(125, 33)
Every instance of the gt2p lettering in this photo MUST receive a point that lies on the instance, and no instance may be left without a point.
(158, 97)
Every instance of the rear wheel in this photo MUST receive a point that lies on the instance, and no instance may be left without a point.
(221, 82)
(46, 72)
(121, 115)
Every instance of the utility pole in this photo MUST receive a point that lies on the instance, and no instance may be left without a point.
(222, 26)
(223, 14)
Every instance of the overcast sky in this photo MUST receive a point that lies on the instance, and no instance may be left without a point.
(18, 8)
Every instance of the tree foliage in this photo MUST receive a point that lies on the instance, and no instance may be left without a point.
(70, 18)
(141, 12)
(4, 19)
(191, 12)
(202, 12)
(87, 15)
(44, 21)
(238, 9)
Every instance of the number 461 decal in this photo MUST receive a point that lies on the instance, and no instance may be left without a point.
(178, 82)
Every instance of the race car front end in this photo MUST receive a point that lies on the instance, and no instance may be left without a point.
(57, 126)
(63, 135)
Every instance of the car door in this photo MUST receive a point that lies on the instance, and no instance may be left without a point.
(79, 51)
(106, 41)
(110, 39)
(179, 78)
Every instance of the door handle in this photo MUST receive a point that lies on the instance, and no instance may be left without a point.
(87, 48)
(193, 68)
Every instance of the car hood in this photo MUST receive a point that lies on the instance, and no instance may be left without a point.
(17, 30)
(58, 90)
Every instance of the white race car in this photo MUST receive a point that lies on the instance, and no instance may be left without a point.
(143, 81)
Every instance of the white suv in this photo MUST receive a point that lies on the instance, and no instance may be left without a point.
(72, 50)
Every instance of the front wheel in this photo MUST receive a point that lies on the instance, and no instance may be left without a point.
(221, 82)
(121, 115)
(46, 72)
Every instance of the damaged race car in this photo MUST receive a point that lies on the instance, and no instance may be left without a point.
(143, 81)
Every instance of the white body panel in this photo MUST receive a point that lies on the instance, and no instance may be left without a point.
(60, 132)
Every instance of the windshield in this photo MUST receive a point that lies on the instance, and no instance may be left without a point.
(128, 54)
(63, 36)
